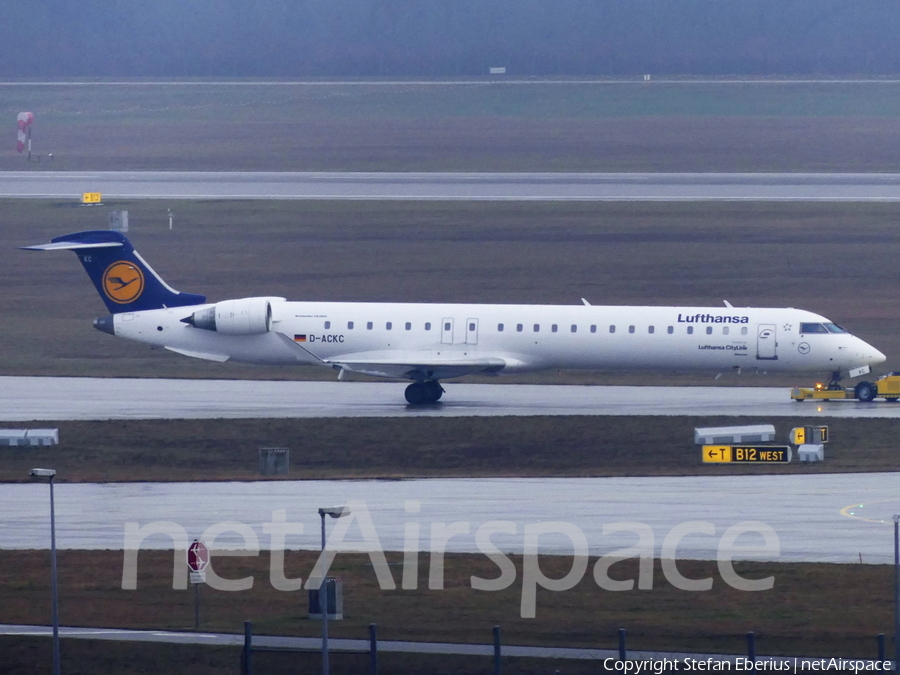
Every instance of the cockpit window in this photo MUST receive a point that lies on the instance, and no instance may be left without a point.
(821, 328)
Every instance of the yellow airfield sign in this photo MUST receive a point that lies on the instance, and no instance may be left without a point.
(91, 198)
(746, 454)
(813, 435)
(713, 454)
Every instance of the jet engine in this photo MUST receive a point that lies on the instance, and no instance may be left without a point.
(247, 316)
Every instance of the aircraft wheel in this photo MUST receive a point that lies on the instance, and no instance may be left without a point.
(419, 393)
(416, 394)
(866, 392)
(434, 389)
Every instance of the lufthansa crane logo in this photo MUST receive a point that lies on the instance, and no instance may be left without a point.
(123, 282)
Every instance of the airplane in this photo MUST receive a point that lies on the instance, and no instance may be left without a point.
(427, 343)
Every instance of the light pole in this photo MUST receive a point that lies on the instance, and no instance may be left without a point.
(896, 591)
(334, 512)
(49, 474)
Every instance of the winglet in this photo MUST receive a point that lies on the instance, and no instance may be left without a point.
(586, 303)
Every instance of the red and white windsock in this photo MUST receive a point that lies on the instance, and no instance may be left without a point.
(25, 119)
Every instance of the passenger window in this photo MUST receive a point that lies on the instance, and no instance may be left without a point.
(612, 329)
(388, 325)
(499, 327)
(447, 326)
(327, 325)
(690, 330)
(724, 330)
(537, 328)
(369, 325)
(743, 330)
(554, 328)
(650, 329)
(630, 329)
(518, 327)
(349, 325)
(471, 327)
(574, 328)
(427, 325)
(408, 326)
(593, 329)
(709, 330)
(670, 330)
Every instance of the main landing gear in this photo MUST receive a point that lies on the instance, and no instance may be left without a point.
(419, 393)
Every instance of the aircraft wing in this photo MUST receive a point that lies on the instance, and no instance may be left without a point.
(412, 365)
(413, 368)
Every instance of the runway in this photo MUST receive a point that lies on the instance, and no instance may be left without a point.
(822, 517)
(859, 187)
(25, 399)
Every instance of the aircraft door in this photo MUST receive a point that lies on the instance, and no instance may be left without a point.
(471, 331)
(766, 342)
(447, 331)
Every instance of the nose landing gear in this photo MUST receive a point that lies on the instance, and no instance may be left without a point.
(420, 393)
(834, 383)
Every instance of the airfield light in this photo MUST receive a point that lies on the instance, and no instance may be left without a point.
(334, 512)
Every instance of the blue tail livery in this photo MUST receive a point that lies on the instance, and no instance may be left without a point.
(123, 279)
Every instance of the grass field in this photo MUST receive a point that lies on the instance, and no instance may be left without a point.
(835, 259)
(202, 450)
(815, 610)
(480, 126)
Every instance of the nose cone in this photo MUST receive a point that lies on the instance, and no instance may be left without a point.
(868, 355)
(106, 324)
(876, 356)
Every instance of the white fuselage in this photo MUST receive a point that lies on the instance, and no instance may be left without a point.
(388, 339)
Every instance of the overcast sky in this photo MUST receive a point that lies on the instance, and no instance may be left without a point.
(296, 38)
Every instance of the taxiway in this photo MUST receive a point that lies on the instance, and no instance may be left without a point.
(25, 399)
(865, 187)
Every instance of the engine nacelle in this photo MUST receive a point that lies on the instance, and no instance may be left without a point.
(247, 316)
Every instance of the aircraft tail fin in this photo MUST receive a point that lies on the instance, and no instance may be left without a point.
(124, 280)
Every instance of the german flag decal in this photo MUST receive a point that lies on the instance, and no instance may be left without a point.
(299, 338)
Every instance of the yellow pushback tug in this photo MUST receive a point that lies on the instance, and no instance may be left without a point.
(886, 387)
